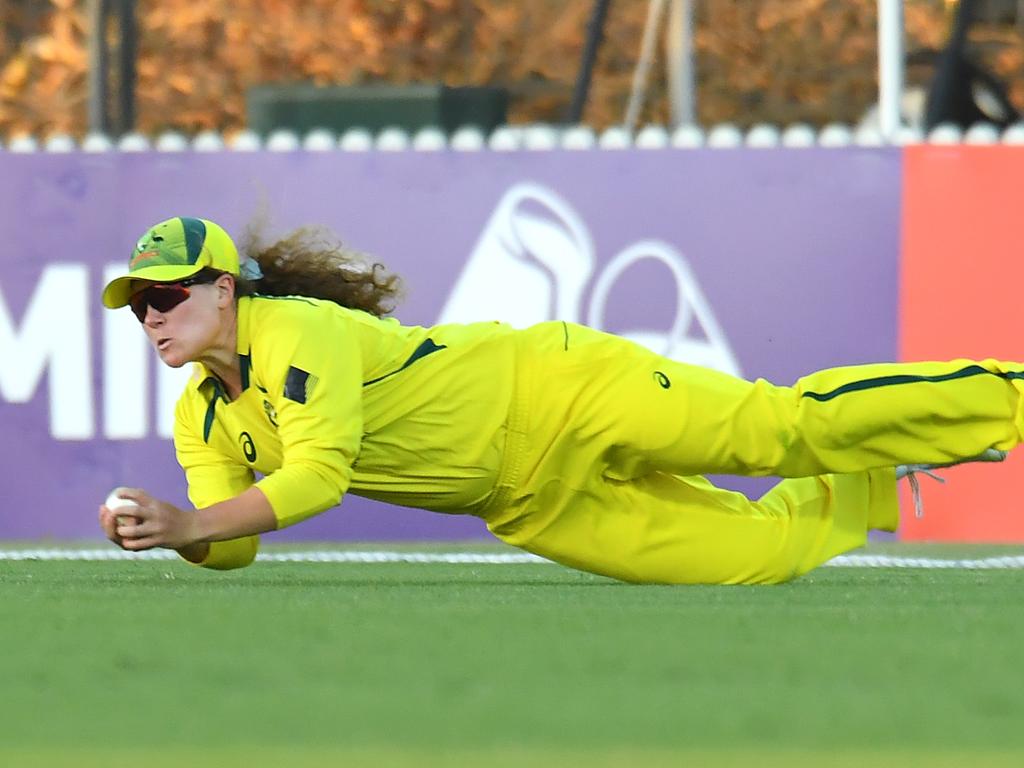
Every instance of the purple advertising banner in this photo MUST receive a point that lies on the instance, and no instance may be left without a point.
(763, 263)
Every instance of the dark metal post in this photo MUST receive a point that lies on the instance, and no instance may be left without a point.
(98, 88)
(126, 65)
(595, 31)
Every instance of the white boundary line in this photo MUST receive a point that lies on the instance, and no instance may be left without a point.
(1009, 562)
(339, 556)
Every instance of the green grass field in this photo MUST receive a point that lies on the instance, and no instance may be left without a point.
(295, 664)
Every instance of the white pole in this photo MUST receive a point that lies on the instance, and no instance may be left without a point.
(682, 88)
(890, 67)
(643, 64)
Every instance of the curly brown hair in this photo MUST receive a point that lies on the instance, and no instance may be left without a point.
(311, 261)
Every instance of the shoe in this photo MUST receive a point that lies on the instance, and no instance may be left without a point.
(990, 455)
(911, 471)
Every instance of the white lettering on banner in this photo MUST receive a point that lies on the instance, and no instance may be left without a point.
(533, 263)
(692, 310)
(125, 372)
(127, 361)
(170, 383)
(54, 337)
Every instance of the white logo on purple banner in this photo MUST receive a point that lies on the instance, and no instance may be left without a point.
(534, 261)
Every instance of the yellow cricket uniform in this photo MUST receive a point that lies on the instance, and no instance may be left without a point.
(336, 400)
(574, 444)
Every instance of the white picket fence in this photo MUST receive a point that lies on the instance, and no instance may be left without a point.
(512, 138)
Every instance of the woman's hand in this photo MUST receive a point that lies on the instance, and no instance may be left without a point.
(153, 523)
(108, 522)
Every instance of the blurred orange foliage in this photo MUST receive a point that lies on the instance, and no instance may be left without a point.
(777, 61)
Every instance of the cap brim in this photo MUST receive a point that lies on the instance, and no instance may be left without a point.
(119, 290)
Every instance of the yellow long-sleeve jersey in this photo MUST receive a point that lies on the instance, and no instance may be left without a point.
(577, 445)
(335, 400)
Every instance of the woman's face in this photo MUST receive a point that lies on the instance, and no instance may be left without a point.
(188, 331)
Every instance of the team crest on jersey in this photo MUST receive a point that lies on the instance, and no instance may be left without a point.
(270, 411)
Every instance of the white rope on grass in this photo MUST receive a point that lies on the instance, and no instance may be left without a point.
(1007, 562)
(339, 556)
(84, 555)
(452, 558)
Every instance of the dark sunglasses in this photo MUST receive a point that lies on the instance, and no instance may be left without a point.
(163, 297)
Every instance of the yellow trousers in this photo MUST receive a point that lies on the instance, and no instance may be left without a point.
(607, 443)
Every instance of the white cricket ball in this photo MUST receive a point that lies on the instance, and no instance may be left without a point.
(115, 503)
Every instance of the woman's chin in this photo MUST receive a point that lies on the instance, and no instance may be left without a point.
(170, 359)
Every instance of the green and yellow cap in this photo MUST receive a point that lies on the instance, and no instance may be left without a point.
(174, 250)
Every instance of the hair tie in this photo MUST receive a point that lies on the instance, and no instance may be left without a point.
(250, 269)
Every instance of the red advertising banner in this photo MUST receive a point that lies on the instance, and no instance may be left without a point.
(960, 296)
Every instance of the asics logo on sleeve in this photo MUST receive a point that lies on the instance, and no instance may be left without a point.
(248, 446)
